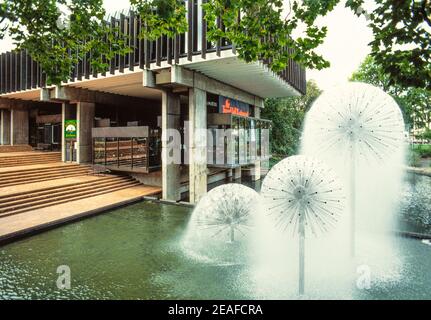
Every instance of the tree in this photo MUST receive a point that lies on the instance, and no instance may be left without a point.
(260, 32)
(402, 39)
(287, 116)
(414, 102)
(401, 45)
(426, 135)
(59, 34)
(49, 30)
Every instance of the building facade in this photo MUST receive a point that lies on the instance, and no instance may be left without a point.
(181, 112)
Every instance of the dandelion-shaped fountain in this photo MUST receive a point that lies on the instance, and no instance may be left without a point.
(355, 122)
(303, 195)
(221, 222)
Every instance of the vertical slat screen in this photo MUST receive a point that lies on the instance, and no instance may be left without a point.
(122, 29)
(190, 20)
(19, 72)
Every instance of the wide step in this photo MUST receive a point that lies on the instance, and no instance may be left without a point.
(19, 203)
(29, 159)
(13, 178)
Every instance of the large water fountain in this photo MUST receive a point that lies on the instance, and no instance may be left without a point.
(357, 130)
(232, 249)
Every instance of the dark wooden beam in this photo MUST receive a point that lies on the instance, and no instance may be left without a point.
(7, 103)
(72, 95)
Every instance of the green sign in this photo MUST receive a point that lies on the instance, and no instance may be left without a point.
(70, 128)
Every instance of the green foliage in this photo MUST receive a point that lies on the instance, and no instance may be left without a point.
(402, 39)
(262, 32)
(426, 135)
(49, 30)
(161, 17)
(413, 158)
(423, 150)
(287, 116)
(414, 102)
(401, 45)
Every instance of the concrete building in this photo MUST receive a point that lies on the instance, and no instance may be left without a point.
(148, 113)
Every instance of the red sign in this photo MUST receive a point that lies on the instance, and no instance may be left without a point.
(234, 107)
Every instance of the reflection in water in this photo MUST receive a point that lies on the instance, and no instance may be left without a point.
(135, 253)
(416, 204)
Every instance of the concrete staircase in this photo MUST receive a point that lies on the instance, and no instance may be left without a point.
(56, 171)
(29, 158)
(16, 148)
(35, 199)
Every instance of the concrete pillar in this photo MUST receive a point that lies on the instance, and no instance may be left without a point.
(197, 144)
(19, 128)
(171, 146)
(85, 113)
(257, 111)
(5, 127)
(68, 112)
(237, 173)
(255, 171)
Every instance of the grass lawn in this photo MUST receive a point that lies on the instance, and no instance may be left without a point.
(423, 150)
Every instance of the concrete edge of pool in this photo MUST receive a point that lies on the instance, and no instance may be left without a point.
(25, 233)
(17, 227)
(100, 206)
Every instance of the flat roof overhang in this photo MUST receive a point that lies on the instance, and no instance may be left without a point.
(28, 95)
(129, 83)
(255, 77)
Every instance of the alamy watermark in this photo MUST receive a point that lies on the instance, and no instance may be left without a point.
(64, 279)
(363, 282)
(216, 146)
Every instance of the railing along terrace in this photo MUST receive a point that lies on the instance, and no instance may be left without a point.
(18, 71)
(126, 148)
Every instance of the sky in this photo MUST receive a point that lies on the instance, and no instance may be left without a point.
(345, 46)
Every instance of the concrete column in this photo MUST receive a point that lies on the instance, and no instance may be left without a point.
(67, 113)
(257, 111)
(237, 173)
(5, 127)
(85, 116)
(19, 128)
(255, 171)
(171, 146)
(197, 144)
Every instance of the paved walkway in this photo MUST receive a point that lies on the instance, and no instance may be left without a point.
(26, 223)
(29, 222)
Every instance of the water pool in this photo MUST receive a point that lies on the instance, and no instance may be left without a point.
(134, 253)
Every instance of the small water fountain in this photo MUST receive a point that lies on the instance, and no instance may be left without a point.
(303, 195)
(220, 226)
(356, 124)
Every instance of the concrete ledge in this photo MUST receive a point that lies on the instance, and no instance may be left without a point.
(413, 235)
(420, 171)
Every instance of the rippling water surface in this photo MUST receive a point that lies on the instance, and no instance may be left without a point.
(135, 253)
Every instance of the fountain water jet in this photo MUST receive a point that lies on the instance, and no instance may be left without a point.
(357, 123)
(222, 221)
(302, 194)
